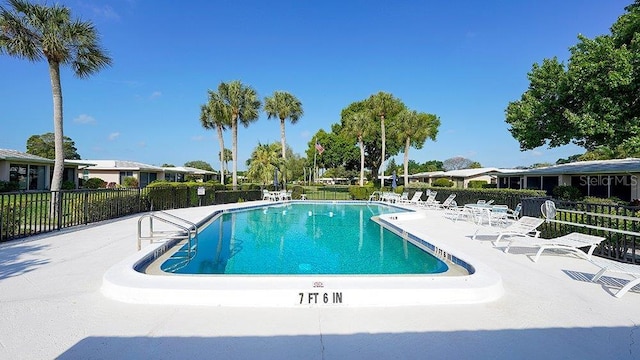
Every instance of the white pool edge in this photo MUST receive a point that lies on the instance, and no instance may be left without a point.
(123, 283)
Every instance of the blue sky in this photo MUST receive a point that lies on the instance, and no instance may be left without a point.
(461, 60)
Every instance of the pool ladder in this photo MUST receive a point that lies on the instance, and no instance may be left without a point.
(187, 231)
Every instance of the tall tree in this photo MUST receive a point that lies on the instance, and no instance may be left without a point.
(199, 164)
(384, 106)
(457, 163)
(593, 101)
(44, 145)
(242, 105)
(414, 129)
(357, 124)
(215, 115)
(283, 105)
(38, 32)
(372, 142)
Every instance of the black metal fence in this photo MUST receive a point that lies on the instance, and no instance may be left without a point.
(24, 214)
(617, 223)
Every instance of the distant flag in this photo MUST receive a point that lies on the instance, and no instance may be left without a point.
(319, 148)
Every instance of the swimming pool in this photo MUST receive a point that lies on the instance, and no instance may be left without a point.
(304, 238)
(131, 280)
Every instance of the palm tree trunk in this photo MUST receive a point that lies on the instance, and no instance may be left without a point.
(361, 143)
(406, 161)
(234, 152)
(221, 141)
(58, 165)
(56, 89)
(282, 139)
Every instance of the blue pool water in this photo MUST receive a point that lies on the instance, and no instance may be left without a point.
(304, 238)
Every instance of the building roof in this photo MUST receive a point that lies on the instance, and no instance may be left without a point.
(15, 155)
(612, 166)
(188, 170)
(469, 172)
(122, 165)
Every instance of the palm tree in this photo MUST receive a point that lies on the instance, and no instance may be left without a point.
(283, 105)
(263, 163)
(357, 124)
(384, 105)
(214, 114)
(36, 32)
(242, 104)
(414, 129)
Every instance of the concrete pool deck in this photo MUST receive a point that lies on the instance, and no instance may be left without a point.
(51, 306)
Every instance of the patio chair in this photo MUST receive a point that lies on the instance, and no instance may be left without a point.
(455, 212)
(498, 215)
(375, 196)
(416, 199)
(525, 226)
(571, 242)
(266, 195)
(431, 200)
(404, 198)
(617, 267)
(446, 203)
(515, 213)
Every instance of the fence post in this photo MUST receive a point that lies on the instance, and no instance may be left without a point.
(58, 203)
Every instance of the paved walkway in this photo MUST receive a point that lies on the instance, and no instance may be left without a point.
(51, 307)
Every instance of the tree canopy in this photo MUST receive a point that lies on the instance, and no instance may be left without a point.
(593, 101)
(44, 145)
(38, 32)
(199, 164)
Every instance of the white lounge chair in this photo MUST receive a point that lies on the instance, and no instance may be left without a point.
(416, 199)
(571, 242)
(525, 226)
(446, 203)
(431, 199)
(617, 267)
(498, 215)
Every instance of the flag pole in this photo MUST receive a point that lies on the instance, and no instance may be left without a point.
(315, 153)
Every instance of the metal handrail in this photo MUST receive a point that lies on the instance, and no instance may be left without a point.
(190, 232)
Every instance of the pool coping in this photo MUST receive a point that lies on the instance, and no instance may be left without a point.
(124, 283)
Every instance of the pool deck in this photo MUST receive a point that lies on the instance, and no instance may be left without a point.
(51, 306)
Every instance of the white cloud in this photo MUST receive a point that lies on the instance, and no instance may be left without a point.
(104, 12)
(113, 136)
(142, 144)
(154, 95)
(197, 138)
(84, 119)
(305, 134)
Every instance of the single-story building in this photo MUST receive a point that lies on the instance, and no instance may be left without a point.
(180, 173)
(599, 178)
(113, 172)
(32, 172)
(460, 178)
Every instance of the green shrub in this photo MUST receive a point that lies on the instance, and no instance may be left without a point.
(130, 182)
(6, 186)
(442, 182)
(603, 201)
(477, 184)
(95, 183)
(296, 191)
(68, 185)
(360, 192)
(567, 192)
